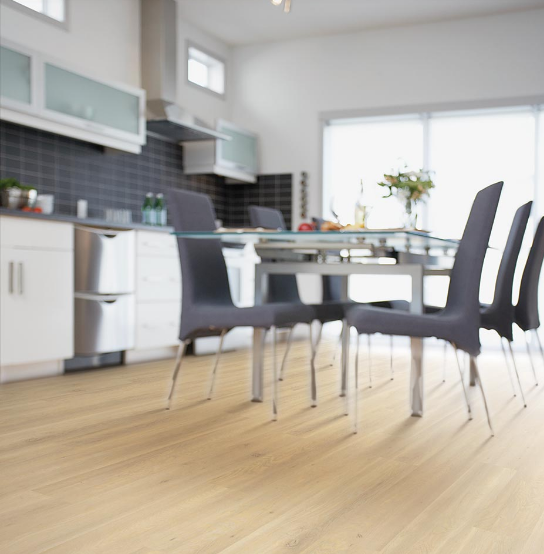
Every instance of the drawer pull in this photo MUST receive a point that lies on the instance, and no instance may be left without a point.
(10, 277)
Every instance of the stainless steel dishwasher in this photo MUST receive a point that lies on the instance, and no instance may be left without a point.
(104, 290)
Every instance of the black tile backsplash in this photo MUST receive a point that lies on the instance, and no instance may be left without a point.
(271, 191)
(71, 169)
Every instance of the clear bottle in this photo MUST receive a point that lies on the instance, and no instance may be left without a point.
(361, 210)
(160, 210)
(148, 213)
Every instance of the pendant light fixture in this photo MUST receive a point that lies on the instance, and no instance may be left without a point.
(286, 4)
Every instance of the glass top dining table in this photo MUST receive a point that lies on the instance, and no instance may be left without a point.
(399, 239)
(412, 253)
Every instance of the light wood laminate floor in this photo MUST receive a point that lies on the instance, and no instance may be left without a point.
(92, 463)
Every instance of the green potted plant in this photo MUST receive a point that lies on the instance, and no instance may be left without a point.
(410, 188)
(14, 195)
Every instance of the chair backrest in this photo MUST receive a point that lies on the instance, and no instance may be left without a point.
(267, 218)
(464, 290)
(527, 316)
(281, 288)
(204, 273)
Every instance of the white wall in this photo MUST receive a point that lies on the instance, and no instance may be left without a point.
(202, 103)
(280, 88)
(103, 37)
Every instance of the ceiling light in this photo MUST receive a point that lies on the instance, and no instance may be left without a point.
(286, 5)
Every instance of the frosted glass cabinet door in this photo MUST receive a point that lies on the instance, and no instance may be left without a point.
(241, 151)
(73, 95)
(15, 71)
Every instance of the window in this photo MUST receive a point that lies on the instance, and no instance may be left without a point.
(55, 9)
(205, 70)
(466, 150)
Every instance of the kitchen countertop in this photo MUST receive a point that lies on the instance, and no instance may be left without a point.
(92, 222)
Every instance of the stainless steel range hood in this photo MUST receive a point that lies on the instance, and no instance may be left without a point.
(159, 47)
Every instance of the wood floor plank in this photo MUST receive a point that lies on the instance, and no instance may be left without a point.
(92, 463)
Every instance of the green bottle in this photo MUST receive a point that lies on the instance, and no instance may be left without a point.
(160, 210)
(148, 213)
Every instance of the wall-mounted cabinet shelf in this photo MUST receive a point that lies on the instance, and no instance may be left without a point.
(236, 159)
(39, 92)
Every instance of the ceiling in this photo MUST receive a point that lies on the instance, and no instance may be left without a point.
(251, 21)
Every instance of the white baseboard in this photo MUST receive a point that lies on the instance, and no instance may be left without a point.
(11, 373)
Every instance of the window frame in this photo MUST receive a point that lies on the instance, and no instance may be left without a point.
(190, 44)
(41, 16)
(426, 112)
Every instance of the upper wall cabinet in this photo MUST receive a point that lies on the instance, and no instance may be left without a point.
(42, 93)
(236, 159)
(15, 77)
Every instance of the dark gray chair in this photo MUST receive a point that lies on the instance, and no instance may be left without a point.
(459, 321)
(526, 312)
(499, 316)
(207, 306)
(284, 288)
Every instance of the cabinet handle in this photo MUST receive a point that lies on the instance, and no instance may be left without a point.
(10, 277)
(21, 278)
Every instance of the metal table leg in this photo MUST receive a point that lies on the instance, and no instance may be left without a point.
(344, 366)
(259, 336)
(417, 392)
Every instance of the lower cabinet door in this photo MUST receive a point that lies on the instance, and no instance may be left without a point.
(157, 324)
(37, 306)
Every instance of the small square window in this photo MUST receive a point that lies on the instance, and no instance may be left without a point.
(205, 70)
(55, 9)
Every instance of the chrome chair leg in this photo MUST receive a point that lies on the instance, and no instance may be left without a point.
(337, 347)
(274, 377)
(181, 352)
(444, 361)
(217, 357)
(313, 385)
(535, 331)
(369, 361)
(474, 365)
(530, 358)
(508, 368)
(462, 382)
(517, 374)
(356, 390)
(287, 349)
(391, 366)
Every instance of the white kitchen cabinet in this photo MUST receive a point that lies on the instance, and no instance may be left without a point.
(36, 293)
(236, 159)
(40, 92)
(158, 296)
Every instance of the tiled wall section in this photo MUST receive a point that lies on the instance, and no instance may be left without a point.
(272, 191)
(71, 169)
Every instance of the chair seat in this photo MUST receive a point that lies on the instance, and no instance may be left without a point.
(330, 311)
(369, 320)
(216, 318)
